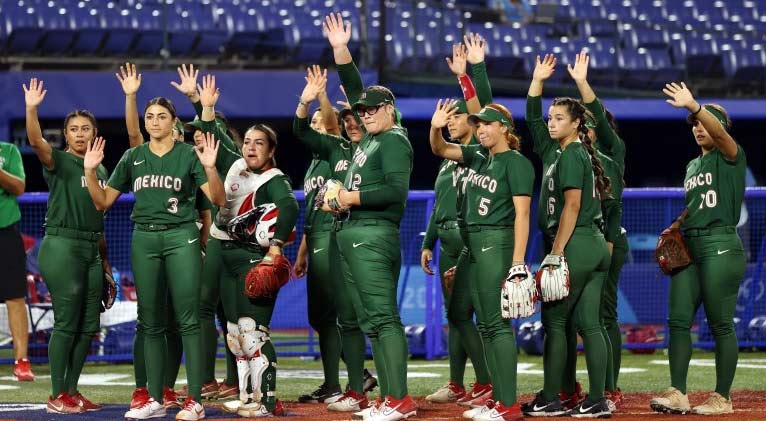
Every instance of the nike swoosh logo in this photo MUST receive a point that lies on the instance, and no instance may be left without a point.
(253, 261)
(357, 245)
(59, 408)
(485, 249)
(191, 241)
(317, 250)
(584, 409)
(480, 154)
(722, 252)
(539, 408)
(138, 162)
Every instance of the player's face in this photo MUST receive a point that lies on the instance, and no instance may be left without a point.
(199, 139)
(79, 131)
(256, 149)
(317, 123)
(353, 130)
(490, 133)
(458, 126)
(560, 123)
(377, 118)
(701, 135)
(159, 122)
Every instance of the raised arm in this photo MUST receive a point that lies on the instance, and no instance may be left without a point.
(458, 65)
(439, 146)
(475, 51)
(213, 188)
(130, 80)
(534, 115)
(681, 97)
(188, 84)
(33, 97)
(103, 198)
(318, 143)
(338, 33)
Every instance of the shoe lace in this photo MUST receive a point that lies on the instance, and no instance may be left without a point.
(147, 403)
(189, 404)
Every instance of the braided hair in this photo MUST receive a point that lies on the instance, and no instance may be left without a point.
(577, 111)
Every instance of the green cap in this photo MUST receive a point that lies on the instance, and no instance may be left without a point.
(462, 106)
(712, 110)
(590, 121)
(193, 125)
(372, 96)
(488, 114)
(179, 125)
(344, 112)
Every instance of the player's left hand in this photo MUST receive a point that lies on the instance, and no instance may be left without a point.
(188, 76)
(316, 83)
(94, 154)
(444, 110)
(209, 151)
(208, 92)
(337, 32)
(680, 96)
(579, 71)
(426, 256)
(476, 46)
(457, 64)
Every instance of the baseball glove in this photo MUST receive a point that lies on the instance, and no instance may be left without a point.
(449, 278)
(327, 197)
(109, 292)
(518, 297)
(267, 277)
(671, 253)
(553, 278)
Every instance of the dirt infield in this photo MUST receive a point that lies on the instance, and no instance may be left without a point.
(748, 405)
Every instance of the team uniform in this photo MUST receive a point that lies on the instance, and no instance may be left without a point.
(13, 256)
(489, 240)
(715, 188)
(70, 263)
(588, 258)
(165, 253)
(248, 319)
(369, 246)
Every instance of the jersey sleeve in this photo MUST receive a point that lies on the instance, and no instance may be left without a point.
(282, 193)
(120, 179)
(541, 139)
(318, 143)
(14, 165)
(351, 80)
(739, 161)
(198, 109)
(481, 82)
(396, 158)
(571, 170)
(608, 141)
(469, 153)
(429, 241)
(611, 209)
(522, 176)
(201, 202)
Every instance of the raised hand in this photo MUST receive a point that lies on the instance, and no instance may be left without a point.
(545, 68)
(344, 104)
(476, 47)
(680, 96)
(337, 32)
(579, 71)
(209, 151)
(208, 93)
(35, 94)
(316, 83)
(94, 154)
(129, 78)
(188, 76)
(457, 64)
(444, 110)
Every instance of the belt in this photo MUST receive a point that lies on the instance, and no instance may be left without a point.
(700, 232)
(339, 225)
(74, 234)
(448, 225)
(477, 228)
(159, 227)
(323, 227)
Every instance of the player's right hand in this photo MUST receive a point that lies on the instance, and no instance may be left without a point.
(337, 32)
(35, 94)
(426, 256)
(94, 154)
(129, 78)
(443, 112)
(545, 68)
(301, 266)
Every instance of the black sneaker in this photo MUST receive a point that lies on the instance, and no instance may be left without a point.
(322, 395)
(539, 407)
(370, 382)
(588, 409)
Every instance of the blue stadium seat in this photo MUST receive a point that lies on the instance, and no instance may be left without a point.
(588, 10)
(59, 31)
(646, 37)
(312, 47)
(121, 33)
(702, 57)
(636, 68)
(601, 28)
(90, 32)
(603, 68)
(247, 27)
(746, 68)
(23, 28)
(148, 21)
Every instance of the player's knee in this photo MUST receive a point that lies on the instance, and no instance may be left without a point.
(679, 322)
(722, 328)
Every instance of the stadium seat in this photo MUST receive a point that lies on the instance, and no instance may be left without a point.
(601, 28)
(90, 33)
(121, 33)
(636, 68)
(702, 58)
(23, 29)
(646, 37)
(148, 21)
(59, 32)
(746, 68)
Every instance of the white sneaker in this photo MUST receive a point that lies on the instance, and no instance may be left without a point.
(150, 409)
(191, 411)
(350, 402)
(449, 393)
(481, 410)
(394, 410)
(232, 407)
(714, 405)
(365, 413)
(256, 410)
(671, 401)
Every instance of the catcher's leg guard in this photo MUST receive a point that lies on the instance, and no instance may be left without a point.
(252, 338)
(243, 368)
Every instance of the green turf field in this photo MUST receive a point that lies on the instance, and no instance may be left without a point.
(110, 383)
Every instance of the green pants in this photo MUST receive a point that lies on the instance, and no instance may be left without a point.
(588, 258)
(73, 273)
(320, 291)
(209, 298)
(713, 279)
(370, 256)
(168, 264)
(237, 260)
(490, 255)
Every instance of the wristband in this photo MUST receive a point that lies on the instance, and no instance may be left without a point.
(276, 243)
(698, 110)
(467, 86)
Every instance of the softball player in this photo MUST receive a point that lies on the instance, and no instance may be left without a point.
(164, 176)
(251, 181)
(338, 153)
(715, 188)
(570, 214)
(368, 240)
(497, 202)
(464, 340)
(73, 252)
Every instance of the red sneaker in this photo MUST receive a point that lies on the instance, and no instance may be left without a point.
(501, 412)
(394, 409)
(140, 397)
(571, 401)
(615, 397)
(279, 410)
(169, 398)
(63, 404)
(22, 369)
(85, 404)
(208, 391)
(477, 396)
(226, 391)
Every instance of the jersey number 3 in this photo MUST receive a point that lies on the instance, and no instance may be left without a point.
(173, 205)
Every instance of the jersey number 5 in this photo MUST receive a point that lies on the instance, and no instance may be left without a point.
(484, 206)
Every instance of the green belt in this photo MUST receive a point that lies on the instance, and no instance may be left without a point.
(339, 225)
(74, 234)
(323, 227)
(448, 225)
(477, 228)
(700, 232)
(159, 227)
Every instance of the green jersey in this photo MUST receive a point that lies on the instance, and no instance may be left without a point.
(490, 191)
(714, 189)
(69, 203)
(164, 187)
(547, 149)
(336, 150)
(10, 162)
(317, 174)
(573, 170)
(611, 207)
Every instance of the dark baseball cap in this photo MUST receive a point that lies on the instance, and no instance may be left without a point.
(373, 96)
(462, 106)
(488, 114)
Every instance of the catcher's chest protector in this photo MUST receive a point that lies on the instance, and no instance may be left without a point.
(241, 186)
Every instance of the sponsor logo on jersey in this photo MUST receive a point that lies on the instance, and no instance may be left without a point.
(701, 179)
(84, 183)
(157, 182)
